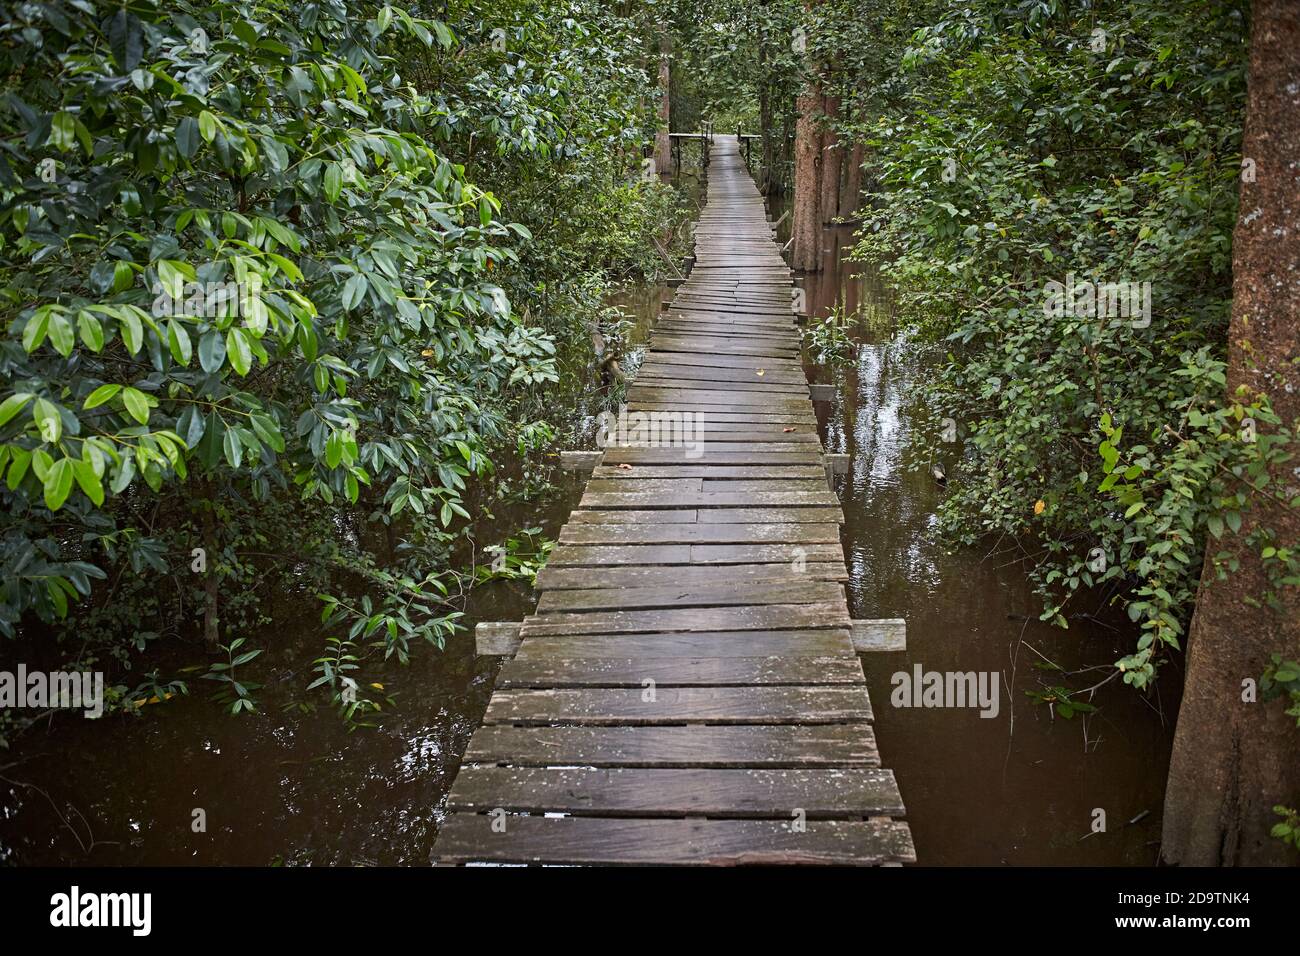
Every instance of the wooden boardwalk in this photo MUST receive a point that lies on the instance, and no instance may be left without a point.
(687, 691)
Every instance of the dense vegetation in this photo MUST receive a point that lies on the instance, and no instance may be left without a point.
(1010, 149)
(1102, 145)
(272, 286)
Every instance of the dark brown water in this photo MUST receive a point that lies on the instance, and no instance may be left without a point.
(296, 788)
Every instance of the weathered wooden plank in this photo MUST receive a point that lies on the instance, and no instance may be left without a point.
(782, 342)
(755, 431)
(705, 470)
(798, 589)
(496, 638)
(694, 443)
(884, 634)
(768, 515)
(604, 841)
(755, 704)
(579, 460)
(797, 555)
(756, 484)
(558, 672)
(718, 376)
(748, 325)
(599, 556)
(826, 514)
(708, 499)
(630, 484)
(722, 346)
(787, 413)
(738, 618)
(731, 399)
(681, 516)
(753, 454)
(689, 644)
(680, 360)
(721, 533)
(759, 384)
(722, 793)
(701, 745)
(683, 576)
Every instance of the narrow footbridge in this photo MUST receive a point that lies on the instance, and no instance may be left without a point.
(688, 690)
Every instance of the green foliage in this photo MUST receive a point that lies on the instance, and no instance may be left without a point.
(1288, 829)
(231, 691)
(1061, 701)
(1282, 679)
(302, 178)
(519, 559)
(830, 340)
(260, 296)
(1021, 150)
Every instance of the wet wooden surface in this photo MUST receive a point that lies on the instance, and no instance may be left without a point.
(687, 691)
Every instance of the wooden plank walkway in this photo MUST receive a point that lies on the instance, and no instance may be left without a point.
(687, 692)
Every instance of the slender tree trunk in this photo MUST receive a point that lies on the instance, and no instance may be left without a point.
(211, 548)
(765, 117)
(829, 204)
(1234, 760)
(663, 142)
(806, 222)
(853, 182)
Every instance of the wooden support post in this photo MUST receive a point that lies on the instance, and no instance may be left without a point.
(881, 634)
(823, 393)
(579, 460)
(835, 463)
(497, 638)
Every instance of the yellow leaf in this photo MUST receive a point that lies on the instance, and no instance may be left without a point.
(1039, 505)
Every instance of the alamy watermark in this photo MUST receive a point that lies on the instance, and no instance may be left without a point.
(1125, 300)
(72, 690)
(657, 429)
(922, 688)
(76, 908)
(208, 300)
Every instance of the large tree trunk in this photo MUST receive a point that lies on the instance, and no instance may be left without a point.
(806, 223)
(663, 142)
(1233, 760)
(829, 204)
(852, 182)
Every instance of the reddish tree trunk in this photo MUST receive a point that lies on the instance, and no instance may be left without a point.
(829, 203)
(663, 142)
(1234, 760)
(805, 229)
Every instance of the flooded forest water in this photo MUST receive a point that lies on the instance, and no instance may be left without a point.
(286, 787)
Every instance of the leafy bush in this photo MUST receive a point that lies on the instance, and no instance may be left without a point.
(251, 294)
(1034, 146)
